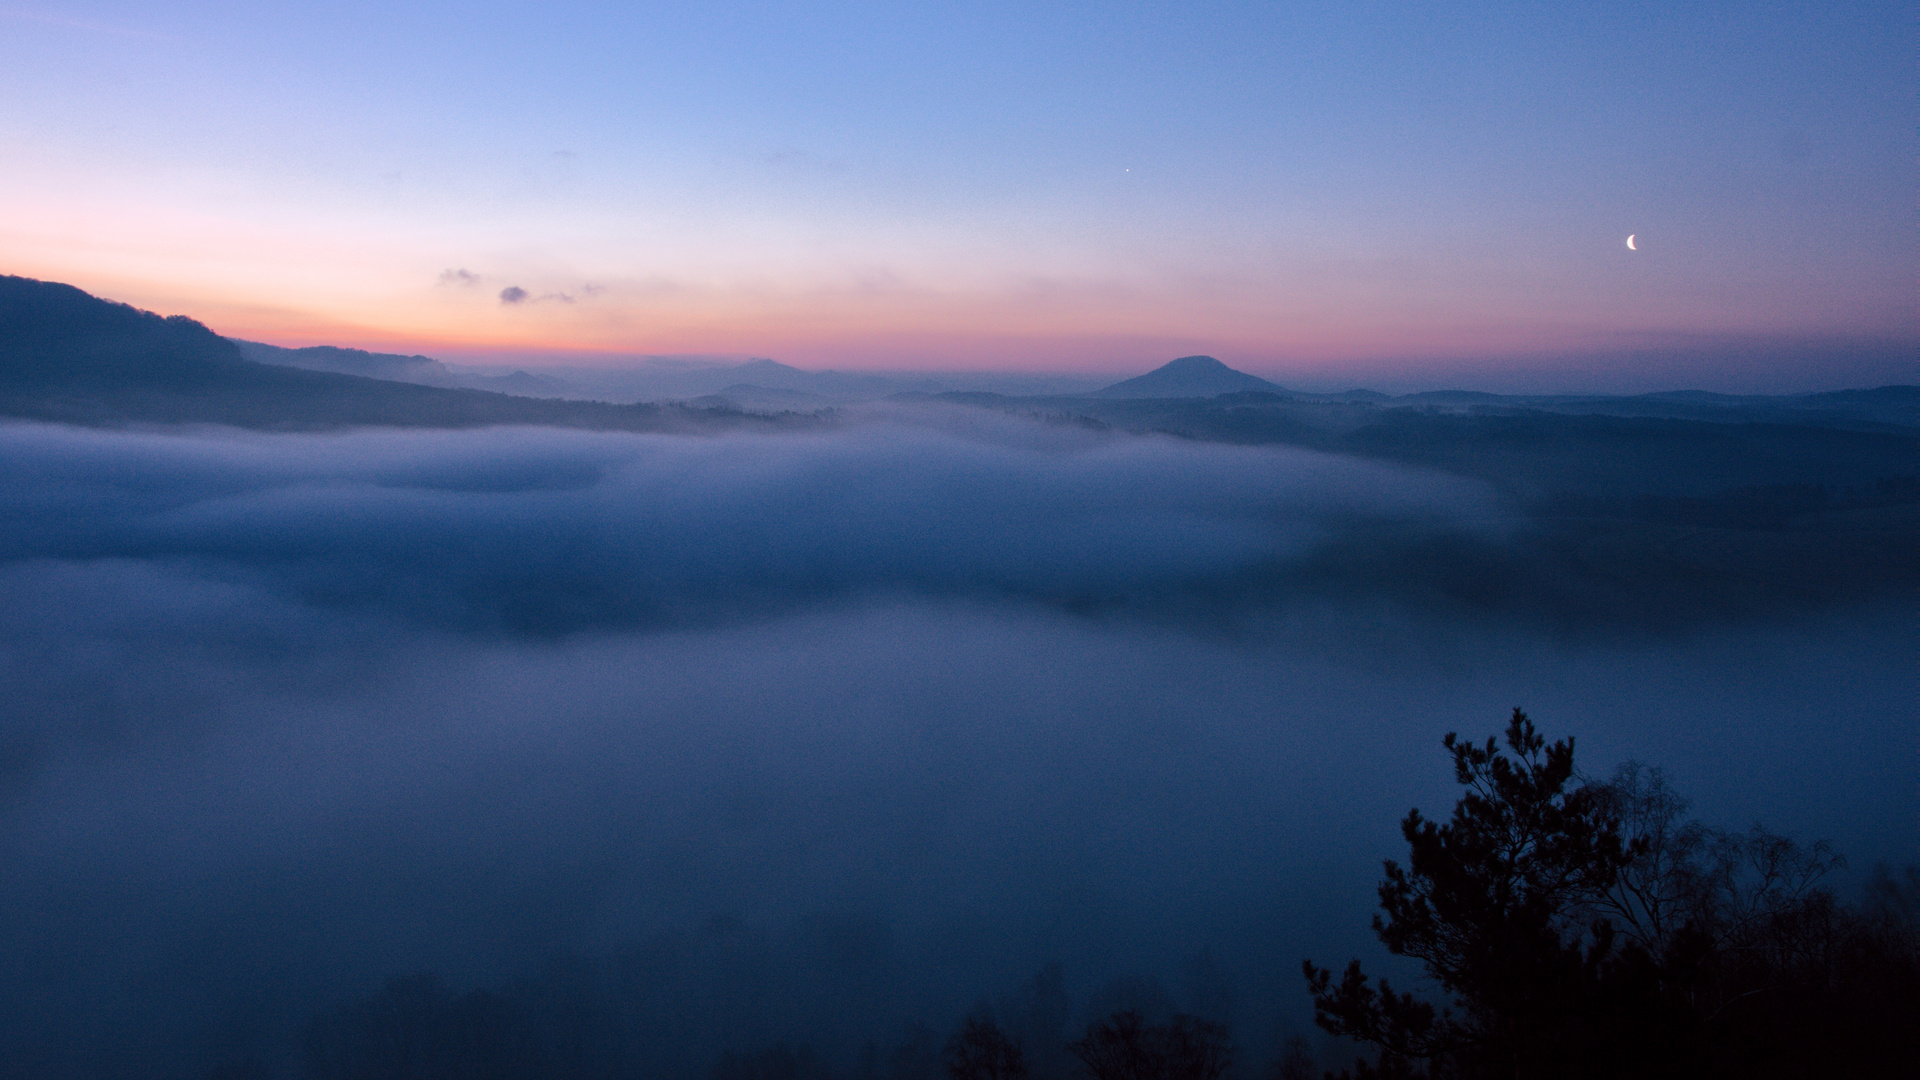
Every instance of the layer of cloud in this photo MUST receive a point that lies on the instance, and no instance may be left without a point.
(800, 737)
(819, 828)
(552, 531)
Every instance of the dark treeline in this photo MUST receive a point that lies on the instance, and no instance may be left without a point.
(574, 1021)
(1567, 927)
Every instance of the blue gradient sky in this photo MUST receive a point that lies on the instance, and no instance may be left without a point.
(1303, 190)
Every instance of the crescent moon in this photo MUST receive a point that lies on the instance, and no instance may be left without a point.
(1630, 246)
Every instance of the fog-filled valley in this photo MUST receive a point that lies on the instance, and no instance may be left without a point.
(819, 541)
(355, 728)
(816, 738)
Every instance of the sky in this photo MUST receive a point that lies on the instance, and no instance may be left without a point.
(1299, 189)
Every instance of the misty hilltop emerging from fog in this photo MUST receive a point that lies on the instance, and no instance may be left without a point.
(1189, 376)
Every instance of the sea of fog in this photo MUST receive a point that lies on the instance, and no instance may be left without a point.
(817, 737)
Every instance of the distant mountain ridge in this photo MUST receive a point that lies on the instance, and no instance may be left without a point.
(70, 357)
(424, 370)
(1189, 376)
(754, 384)
(420, 369)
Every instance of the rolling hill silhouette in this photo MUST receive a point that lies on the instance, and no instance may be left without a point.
(1189, 376)
(421, 369)
(71, 357)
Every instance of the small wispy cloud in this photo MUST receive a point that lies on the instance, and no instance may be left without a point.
(514, 294)
(463, 277)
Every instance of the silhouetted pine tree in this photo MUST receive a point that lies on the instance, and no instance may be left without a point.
(1587, 931)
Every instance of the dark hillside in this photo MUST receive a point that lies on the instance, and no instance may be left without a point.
(69, 357)
(54, 336)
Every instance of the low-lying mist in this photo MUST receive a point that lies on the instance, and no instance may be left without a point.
(807, 737)
(541, 531)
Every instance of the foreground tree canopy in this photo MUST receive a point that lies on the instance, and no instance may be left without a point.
(1584, 930)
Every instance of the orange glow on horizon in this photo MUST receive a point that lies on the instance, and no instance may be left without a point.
(253, 275)
(1061, 328)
